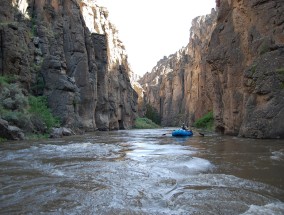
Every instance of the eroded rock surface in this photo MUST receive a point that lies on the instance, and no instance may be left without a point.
(232, 65)
(70, 52)
(177, 85)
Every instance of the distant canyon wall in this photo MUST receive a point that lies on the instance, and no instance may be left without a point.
(177, 85)
(233, 65)
(71, 53)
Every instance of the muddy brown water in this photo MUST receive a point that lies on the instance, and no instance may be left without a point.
(142, 172)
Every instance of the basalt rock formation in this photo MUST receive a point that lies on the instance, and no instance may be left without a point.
(70, 52)
(233, 65)
(177, 85)
(246, 56)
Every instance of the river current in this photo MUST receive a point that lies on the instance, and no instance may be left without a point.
(142, 172)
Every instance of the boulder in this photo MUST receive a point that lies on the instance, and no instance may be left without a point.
(10, 132)
(60, 132)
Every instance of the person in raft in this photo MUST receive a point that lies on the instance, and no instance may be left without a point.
(184, 127)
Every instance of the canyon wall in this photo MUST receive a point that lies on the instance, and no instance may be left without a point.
(70, 52)
(233, 65)
(177, 85)
(246, 56)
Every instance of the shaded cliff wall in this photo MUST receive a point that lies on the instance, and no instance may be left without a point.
(178, 85)
(233, 66)
(70, 52)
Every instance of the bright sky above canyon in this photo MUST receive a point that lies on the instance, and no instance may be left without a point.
(152, 29)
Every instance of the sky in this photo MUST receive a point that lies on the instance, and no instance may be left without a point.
(152, 29)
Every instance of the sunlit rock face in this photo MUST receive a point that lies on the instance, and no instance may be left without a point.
(246, 56)
(70, 52)
(177, 85)
(117, 101)
(232, 65)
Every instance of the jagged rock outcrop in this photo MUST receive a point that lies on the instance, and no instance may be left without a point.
(60, 132)
(70, 52)
(177, 85)
(246, 56)
(236, 70)
(10, 132)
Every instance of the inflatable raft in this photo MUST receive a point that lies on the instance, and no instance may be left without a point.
(181, 133)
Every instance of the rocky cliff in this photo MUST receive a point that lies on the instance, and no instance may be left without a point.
(233, 65)
(177, 85)
(246, 56)
(70, 52)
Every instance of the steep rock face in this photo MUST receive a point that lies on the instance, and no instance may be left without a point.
(245, 54)
(70, 52)
(177, 85)
(117, 101)
(237, 71)
(164, 87)
(17, 49)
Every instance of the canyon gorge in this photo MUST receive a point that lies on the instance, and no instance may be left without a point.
(70, 52)
(233, 65)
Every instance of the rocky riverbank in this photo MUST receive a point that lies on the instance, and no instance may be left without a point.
(70, 53)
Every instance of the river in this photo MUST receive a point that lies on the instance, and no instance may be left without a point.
(142, 172)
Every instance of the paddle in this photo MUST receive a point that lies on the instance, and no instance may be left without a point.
(167, 133)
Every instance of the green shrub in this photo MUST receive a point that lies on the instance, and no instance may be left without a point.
(253, 68)
(12, 116)
(20, 119)
(207, 121)
(4, 79)
(11, 97)
(2, 139)
(33, 136)
(38, 108)
(8, 103)
(145, 123)
(280, 70)
(38, 87)
(152, 113)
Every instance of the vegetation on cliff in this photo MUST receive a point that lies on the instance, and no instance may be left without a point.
(38, 108)
(145, 123)
(21, 109)
(153, 114)
(85, 78)
(233, 64)
(206, 121)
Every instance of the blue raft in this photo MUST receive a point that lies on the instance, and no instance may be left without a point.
(182, 133)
